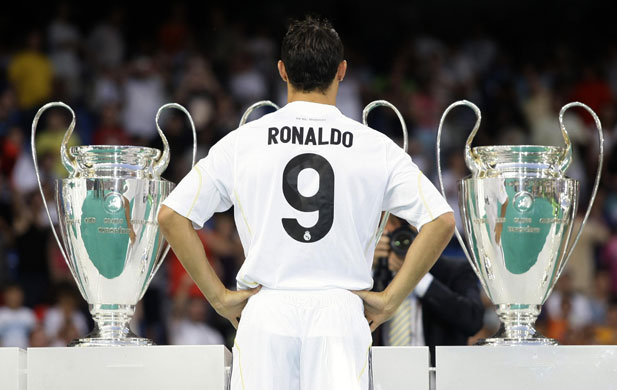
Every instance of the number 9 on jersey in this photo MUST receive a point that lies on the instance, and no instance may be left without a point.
(322, 200)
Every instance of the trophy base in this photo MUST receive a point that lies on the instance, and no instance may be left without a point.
(534, 341)
(126, 339)
(517, 327)
(101, 342)
(111, 328)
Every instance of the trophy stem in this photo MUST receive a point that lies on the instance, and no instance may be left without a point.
(111, 328)
(517, 326)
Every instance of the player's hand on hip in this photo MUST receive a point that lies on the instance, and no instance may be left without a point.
(377, 309)
(232, 303)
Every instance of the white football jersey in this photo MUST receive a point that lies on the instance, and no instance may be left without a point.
(308, 186)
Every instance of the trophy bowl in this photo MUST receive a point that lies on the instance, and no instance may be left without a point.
(107, 210)
(518, 210)
(518, 229)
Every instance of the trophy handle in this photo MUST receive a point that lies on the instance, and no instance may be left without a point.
(369, 107)
(567, 153)
(69, 163)
(161, 164)
(253, 107)
(567, 160)
(67, 160)
(470, 160)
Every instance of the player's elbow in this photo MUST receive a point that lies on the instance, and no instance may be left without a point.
(447, 224)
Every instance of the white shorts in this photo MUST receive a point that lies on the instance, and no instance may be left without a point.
(290, 340)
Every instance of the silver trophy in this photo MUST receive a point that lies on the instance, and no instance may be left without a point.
(107, 210)
(518, 209)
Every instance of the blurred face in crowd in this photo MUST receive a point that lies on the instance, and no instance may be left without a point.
(13, 297)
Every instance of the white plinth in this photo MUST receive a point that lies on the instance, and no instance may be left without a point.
(396, 368)
(151, 368)
(524, 367)
(12, 369)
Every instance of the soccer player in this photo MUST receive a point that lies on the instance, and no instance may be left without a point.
(307, 185)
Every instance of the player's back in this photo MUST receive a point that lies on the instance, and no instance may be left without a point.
(308, 188)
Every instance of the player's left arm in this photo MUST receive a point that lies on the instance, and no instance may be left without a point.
(186, 244)
(421, 255)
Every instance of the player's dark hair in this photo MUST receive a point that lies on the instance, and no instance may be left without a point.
(311, 52)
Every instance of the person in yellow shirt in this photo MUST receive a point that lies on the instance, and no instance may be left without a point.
(31, 74)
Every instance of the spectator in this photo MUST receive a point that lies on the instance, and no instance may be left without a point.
(110, 132)
(594, 90)
(10, 115)
(582, 264)
(197, 79)
(31, 228)
(31, 74)
(143, 95)
(174, 35)
(65, 44)
(607, 332)
(106, 44)
(38, 337)
(560, 327)
(10, 149)
(601, 296)
(63, 322)
(567, 309)
(16, 321)
(246, 84)
(107, 89)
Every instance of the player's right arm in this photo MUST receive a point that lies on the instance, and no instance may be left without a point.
(186, 244)
(204, 191)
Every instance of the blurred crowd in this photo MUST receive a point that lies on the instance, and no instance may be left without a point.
(116, 94)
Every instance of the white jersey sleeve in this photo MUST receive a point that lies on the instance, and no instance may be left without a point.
(409, 194)
(207, 188)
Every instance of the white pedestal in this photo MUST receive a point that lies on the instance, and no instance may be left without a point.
(396, 368)
(525, 367)
(12, 369)
(152, 368)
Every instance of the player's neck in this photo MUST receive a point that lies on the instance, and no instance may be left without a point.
(327, 97)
